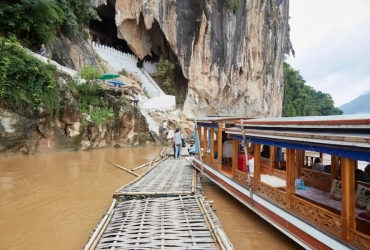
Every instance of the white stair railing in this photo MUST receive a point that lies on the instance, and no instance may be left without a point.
(120, 60)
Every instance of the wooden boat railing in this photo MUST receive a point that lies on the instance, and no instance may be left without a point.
(319, 216)
(316, 179)
(241, 177)
(266, 166)
(360, 240)
(279, 173)
(272, 193)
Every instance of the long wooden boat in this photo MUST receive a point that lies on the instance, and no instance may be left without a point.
(331, 210)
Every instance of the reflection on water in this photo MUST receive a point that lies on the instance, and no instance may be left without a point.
(245, 229)
(53, 201)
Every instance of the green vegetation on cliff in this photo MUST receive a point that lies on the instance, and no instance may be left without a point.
(302, 100)
(34, 22)
(90, 99)
(165, 71)
(26, 82)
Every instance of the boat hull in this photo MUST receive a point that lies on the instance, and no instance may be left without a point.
(302, 232)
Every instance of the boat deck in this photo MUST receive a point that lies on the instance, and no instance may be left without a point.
(163, 209)
(272, 180)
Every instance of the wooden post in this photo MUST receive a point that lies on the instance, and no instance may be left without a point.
(200, 136)
(296, 165)
(334, 167)
(205, 141)
(257, 162)
(235, 155)
(303, 152)
(212, 149)
(290, 180)
(348, 196)
(272, 159)
(219, 146)
(322, 157)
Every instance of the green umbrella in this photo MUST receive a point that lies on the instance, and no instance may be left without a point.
(108, 76)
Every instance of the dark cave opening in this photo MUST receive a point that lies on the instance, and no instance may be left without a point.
(162, 48)
(106, 32)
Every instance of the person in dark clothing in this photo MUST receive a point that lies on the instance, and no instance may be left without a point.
(361, 176)
(42, 51)
(367, 169)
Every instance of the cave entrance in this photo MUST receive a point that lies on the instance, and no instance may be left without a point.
(162, 49)
(105, 31)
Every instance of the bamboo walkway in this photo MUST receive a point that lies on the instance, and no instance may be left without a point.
(171, 177)
(162, 209)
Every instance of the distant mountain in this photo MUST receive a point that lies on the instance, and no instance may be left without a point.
(360, 105)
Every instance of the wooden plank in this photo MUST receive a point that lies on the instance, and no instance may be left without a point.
(272, 159)
(235, 156)
(219, 146)
(257, 162)
(348, 197)
(205, 141)
(290, 180)
(334, 167)
(212, 138)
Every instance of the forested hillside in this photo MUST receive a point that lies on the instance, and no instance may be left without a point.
(34, 22)
(360, 105)
(302, 100)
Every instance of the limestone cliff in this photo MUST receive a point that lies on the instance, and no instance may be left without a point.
(72, 53)
(232, 61)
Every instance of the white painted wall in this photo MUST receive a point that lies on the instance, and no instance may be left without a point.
(66, 70)
(165, 103)
(120, 60)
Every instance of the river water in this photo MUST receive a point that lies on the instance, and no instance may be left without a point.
(53, 201)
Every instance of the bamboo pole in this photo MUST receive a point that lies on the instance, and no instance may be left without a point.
(194, 182)
(141, 176)
(96, 241)
(220, 234)
(100, 226)
(139, 167)
(163, 150)
(120, 167)
(154, 193)
(210, 228)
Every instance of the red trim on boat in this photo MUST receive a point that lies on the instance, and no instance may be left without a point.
(305, 238)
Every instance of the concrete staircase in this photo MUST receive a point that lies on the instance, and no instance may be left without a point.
(120, 60)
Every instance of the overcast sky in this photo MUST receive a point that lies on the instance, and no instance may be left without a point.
(331, 39)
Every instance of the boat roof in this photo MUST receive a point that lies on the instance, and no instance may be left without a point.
(216, 119)
(336, 121)
(338, 138)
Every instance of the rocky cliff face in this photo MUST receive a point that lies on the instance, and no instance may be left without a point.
(232, 61)
(45, 133)
(74, 53)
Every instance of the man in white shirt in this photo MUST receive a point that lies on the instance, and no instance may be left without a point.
(137, 98)
(177, 141)
(164, 126)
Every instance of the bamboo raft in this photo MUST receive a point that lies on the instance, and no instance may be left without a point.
(173, 177)
(162, 209)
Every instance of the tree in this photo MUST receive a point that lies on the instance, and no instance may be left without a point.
(31, 20)
(302, 100)
(34, 21)
(165, 71)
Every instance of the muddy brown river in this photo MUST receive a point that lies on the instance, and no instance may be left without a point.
(53, 201)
